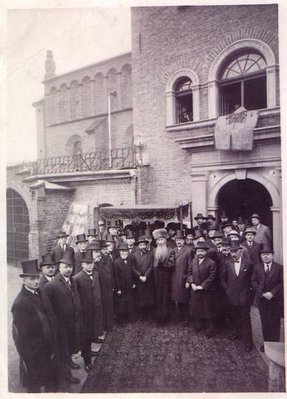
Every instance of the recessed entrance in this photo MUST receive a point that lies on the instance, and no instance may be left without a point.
(17, 227)
(244, 197)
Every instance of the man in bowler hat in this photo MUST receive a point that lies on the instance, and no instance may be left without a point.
(62, 248)
(34, 333)
(267, 280)
(48, 269)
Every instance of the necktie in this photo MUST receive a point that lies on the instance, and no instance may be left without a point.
(36, 292)
(267, 269)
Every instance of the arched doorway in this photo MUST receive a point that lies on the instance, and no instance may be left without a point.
(244, 197)
(17, 227)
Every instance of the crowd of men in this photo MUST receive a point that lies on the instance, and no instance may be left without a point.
(209, 275)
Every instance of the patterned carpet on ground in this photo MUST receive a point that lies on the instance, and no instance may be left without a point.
(146, 357)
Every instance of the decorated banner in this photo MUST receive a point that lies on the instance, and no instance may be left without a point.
(234, 132)
(76, 220)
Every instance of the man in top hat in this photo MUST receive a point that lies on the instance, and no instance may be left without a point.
(163, 263)
(124, 285)
(199, 219)
(102, 233)
(267, 280)
(223, 220)
(92, 236)
(236, 281)
(104, 264)
(91, 304)
(241, 228)
(179, 293)
(198, 236)
(48, 269)
(65, 300)
(263, 233)
(142, 271)
(81, 243)
(34, 332)
(189, 235)
(252, 247)
(62, 248)
(171, 231)
(113, 230)
(130, 241)
(201, 278)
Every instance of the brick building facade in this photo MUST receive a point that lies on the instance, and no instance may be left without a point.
(206, 60)
(188, 67)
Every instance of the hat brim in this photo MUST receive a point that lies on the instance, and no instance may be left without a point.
(30, 274)
(62, 236)
(77, 242)
(48, 264)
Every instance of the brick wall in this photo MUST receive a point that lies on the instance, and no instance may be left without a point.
(57, 136)
(166, 39)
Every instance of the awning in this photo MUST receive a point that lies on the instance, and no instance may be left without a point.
(149, 212)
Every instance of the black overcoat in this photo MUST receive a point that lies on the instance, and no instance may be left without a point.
(162, 275)
(204, 303)
(104, 266)
(57, 253)
(125, 302)
(237, 288)
(67, 308)
(35, 335)
(183, 259)
(142, 266)
(91, 303)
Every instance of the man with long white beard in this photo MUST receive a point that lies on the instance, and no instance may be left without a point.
(163, 264)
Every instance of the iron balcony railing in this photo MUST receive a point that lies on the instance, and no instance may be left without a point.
(118, 158)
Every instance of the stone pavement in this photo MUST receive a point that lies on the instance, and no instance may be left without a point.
(169, 356)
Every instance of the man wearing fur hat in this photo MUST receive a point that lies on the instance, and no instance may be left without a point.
(34, 332)
(163, 263)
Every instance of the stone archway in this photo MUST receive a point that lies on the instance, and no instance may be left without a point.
(18, 227)
(271, 202)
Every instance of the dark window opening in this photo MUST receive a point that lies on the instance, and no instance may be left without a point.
(243, 83)
(183, 97)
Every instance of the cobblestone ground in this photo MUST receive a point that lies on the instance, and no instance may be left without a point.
(143, 357)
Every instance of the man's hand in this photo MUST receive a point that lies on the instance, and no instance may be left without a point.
(199, 287)
(193, 286)
(119, 292)
(143, 279)
(268, 295)
(133, 286)
(187, 285)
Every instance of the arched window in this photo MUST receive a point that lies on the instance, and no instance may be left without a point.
(63, 103)
(75, 100)
(87, 99)
(242, 82)
(182, 97)
(112, 88)
(100, 97)
(242, 62)
(183, 101)
(126, 86)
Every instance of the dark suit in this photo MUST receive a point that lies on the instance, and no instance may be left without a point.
(239, 295)
(142, 266)
(124, 303)
(58, 253)
(91, 305)
(270, 310)
(254, 251)
(179, 294)
(35, 335)
(107, 290)
(204, 304)
(66, 304)
(263, 235)
(77, 261)
(43, 280)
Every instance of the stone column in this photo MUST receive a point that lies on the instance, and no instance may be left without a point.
(277, 234)
(199, 192)
(170, 108)
(212, 99)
